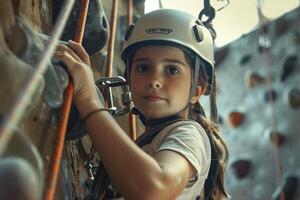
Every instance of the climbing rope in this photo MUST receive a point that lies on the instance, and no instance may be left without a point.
(111, 41)
(132, 117)
(210, 13)
(265, 44)
(64, 115)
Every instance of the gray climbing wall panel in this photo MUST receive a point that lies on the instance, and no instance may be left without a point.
(250, 119)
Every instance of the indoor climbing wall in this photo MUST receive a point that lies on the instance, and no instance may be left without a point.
(30, 148)
(259, 106)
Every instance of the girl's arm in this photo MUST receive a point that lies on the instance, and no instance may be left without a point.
(134, 173)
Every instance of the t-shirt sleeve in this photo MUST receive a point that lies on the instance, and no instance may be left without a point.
(191, 142)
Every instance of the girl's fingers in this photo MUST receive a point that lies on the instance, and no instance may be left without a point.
(77, 70)
(67, 59)
(65, 48)
(80, 51)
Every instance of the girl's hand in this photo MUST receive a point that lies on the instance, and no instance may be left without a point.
(77, 62)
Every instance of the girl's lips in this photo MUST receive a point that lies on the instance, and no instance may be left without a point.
(153, 98)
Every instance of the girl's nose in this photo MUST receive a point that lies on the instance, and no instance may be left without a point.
(154, 85)
(154, 82)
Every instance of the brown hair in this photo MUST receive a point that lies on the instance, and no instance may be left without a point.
(196, 112)
(212, 128)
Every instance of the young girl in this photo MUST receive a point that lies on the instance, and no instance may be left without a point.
(169, 64)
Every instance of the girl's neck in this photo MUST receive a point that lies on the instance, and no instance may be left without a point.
(150, 123)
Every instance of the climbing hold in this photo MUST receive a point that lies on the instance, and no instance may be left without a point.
(253, 79)
(294, 38)
(221, 54)
(294, 98)
(277, 138)
(22, 147)
(281, 26)
(288, 67)
(245, 59)
(12, 84)
(288, 189)
(55, 79)
(97, 27)
(235, 118)
(18, 180)
(241, 168)
(270, 95)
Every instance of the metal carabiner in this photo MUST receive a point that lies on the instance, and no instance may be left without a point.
(106, 84)
(208, 11)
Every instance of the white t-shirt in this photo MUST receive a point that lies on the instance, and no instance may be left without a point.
(190, 140)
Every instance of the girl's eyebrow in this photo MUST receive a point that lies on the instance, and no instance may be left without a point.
(166, 60)
(139, 60)
(175, 61)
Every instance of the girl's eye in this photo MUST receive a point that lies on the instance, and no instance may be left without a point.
(142, 68)
(172, 70)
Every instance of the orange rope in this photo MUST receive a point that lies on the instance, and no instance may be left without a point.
(59, 144)
(129, 12)
(64, 115)
(111, 42)
(132, 126)
(81, 21)
(132, 118)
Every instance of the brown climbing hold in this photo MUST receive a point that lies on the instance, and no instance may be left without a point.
(235, 118)
(281, 26)
(277, 138)
(253, 79)
(241, 168)
(294, 98)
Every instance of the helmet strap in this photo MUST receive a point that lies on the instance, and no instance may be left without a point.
(195, 77)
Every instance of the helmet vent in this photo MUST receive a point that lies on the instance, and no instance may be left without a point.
(128, 32)
(198, 33)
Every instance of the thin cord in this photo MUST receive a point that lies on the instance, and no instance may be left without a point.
(265, 44)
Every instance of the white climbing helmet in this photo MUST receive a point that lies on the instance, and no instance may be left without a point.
(172, 27)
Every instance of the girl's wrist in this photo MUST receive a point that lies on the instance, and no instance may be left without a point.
(87, 105)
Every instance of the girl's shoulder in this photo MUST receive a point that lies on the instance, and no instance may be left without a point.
(184, 129)
(183, 126)
(190, 140)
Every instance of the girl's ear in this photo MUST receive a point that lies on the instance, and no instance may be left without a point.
(199, 90)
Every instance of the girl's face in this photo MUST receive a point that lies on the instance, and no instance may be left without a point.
(160, 81)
